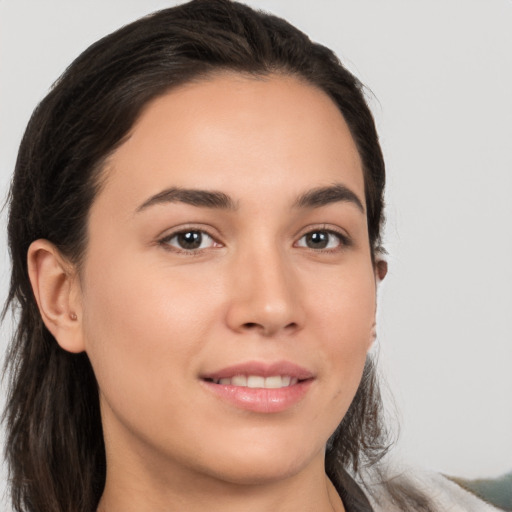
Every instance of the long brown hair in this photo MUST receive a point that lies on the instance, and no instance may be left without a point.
(55, 449)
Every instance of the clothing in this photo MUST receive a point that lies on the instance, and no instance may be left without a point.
(443, 494)
(497, 491)
(353, 497)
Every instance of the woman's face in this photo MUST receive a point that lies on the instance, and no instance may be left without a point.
(229, 241)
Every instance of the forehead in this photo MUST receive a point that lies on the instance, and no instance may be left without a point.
(236, 133)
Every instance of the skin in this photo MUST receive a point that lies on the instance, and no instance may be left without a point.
(153, 317)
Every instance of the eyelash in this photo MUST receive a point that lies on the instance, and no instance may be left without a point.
(344, 241)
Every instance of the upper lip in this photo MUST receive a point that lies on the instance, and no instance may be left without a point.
(262, 369)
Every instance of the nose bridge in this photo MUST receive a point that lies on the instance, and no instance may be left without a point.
(265, 294)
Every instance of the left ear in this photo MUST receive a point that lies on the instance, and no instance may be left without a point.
(56, 290)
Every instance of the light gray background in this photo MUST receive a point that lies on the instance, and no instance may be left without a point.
(441, 75)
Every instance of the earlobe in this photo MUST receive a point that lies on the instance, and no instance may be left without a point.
(55, 288)
(373, 336)
(373, 333)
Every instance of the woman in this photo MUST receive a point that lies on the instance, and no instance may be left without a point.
(195, 235)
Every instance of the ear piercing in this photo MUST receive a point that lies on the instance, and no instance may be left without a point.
(73, 316)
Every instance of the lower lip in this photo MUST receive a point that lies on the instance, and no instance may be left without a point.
(261, 399)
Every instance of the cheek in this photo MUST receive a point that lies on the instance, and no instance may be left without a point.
(344, 314)
(142, 327)
(342, 304)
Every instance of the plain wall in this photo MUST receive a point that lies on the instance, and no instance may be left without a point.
(440, 74)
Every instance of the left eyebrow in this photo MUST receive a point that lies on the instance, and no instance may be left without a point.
(317, 197)
(194, 197)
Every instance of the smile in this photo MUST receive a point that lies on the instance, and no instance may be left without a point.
(260, 387)
(257, 381)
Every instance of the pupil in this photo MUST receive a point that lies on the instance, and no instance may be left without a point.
(190, 239)
(317, 240)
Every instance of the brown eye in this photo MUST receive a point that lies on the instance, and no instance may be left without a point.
(189, 240)
(321, 239)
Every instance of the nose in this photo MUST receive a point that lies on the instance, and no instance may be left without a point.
(265, 295)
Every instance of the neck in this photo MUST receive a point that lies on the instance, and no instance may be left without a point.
(156, 491)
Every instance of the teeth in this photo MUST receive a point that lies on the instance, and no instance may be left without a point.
(257, 381)
(254, 381)
(274, 382)
(239, 380)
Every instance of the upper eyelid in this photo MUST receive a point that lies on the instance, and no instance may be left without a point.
(331, 228)
(174, 234)
(170, 232)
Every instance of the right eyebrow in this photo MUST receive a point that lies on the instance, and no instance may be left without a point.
(192, 196)
(323, 196)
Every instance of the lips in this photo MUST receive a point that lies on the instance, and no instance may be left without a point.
(284, 368)
(260, 387)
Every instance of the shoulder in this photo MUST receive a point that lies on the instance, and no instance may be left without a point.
(431, 491)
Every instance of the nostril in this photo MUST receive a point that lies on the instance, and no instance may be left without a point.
(268, 329)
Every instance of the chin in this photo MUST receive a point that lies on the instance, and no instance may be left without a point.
(258, 465)
(261, 473)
